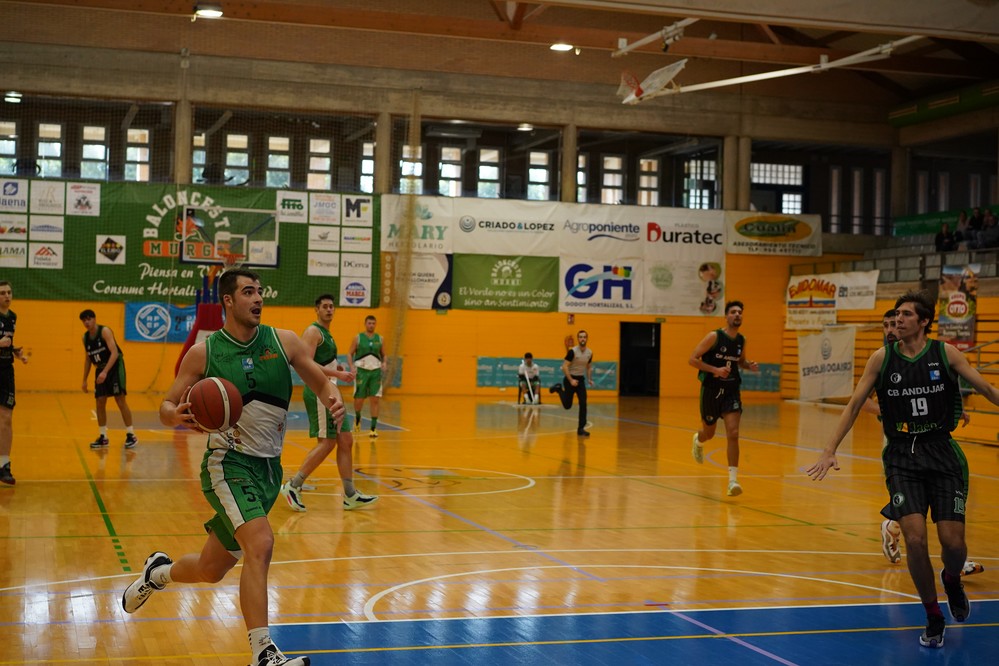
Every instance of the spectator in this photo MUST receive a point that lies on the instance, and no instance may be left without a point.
(989, 235)
(977, 221)
(962, 231)
(945, 240)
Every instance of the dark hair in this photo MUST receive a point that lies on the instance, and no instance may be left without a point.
(371, 317)
(230, 278)
(888, 313)
(732, 304)
(921, 303)
(4, 283)
(325, 297)
(88, 314)
(528, 355)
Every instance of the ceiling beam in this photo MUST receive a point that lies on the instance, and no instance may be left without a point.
(768, 33)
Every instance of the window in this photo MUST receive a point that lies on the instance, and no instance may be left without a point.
(449, 172)
(857, 205)
(648, 182)
(581, 179)
(94, 162)
(776, 174)
(835, 193)
(199, 159)
(278, 161)
(699, 183)
(411, 170)
(49, 150)
(368, 167)
(489, 173)
(237, 159)
(922, 192)
(137, 155)
(880, 202)
(974, 189)
(612, 180)
(943, 190)
(538, 176)
(320, 176)
(8, 146)
(790, 203)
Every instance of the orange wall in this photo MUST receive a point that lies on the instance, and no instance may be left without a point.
(439, 350)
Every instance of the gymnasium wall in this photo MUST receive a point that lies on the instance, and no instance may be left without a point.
(439, 351)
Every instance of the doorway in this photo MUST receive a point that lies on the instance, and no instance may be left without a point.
(639, 371)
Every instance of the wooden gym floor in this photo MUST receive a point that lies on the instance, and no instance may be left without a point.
(500, 538)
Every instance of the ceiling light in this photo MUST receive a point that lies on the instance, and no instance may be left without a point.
(561, 46)
(208, 10)
(525, 127)
(12, 97)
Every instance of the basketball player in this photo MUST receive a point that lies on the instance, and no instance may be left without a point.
(321, 423)
(890, 530)
(8, 352)
(241, 470)
(916, 380)
(101, 351)
(577, 366)
(718, 358)
(366, 358)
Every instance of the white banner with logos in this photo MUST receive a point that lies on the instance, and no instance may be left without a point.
(684, 252)
(611, 232)
(813, 300)
(768, 233)
(825, 363)
(431, 231)
(506, 227)
(856, 290)
(612, 285)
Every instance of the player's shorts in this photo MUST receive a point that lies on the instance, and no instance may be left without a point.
(7, 386)
(928, 474)
(535, 383)
(321, 422)
(240, 488)
(368, 384)
(716, 401)
(114, 384)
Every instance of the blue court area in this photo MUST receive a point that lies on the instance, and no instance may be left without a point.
(812, 635)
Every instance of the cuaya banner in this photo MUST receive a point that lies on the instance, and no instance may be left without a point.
(491, 282)
(767, 233)
(957, 305)
(825, 364)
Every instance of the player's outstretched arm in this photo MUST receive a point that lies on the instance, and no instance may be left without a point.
(175, 410)
(827, 459)
(312, 373)
(960, 364)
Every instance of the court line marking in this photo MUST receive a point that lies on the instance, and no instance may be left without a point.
(735, 639)
(530, 483)
(115, 543)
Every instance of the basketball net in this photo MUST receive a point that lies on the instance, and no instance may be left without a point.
(629, 84)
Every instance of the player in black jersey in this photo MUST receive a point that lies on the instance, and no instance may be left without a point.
(101, 351)
(8, 352)
(925, 470)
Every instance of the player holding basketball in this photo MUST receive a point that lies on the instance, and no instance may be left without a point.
(241, 470)
(718, 357)
(366, 358)
(8, 352)
(577, 366)
(321, 423)
(916, 380)
(101, 351)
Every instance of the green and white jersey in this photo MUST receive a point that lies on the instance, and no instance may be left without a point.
(325, 354)
(259, 369)
(368, 355)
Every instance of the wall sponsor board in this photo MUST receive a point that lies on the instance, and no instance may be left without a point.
(684, 252)
(423, 222)
(774, 234)
(590, 230)
(13, 195)
(429, 283)
(492, 282)
(358, 211)
(825, 363)
(506, 227)
(813, 300)
(13, 227)
(158, 322)
(355, 292)
(500, 371)
(612, 286)
(957, 305)
(48, 197)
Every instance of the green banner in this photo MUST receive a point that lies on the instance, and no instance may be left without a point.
(491, 282)
(150, 242)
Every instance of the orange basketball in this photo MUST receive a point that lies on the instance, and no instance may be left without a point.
(570, 342)
(215, 403)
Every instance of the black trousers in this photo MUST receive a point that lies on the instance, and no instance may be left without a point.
(566, 391)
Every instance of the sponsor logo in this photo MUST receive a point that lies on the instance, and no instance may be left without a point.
(612, 230)
(292, 204)
(898, 499)
(46, 251)
(580, 283)
(356, 208)
(152, 321)
(268, 355)
(111, 248)
(14, 230)
(443, 299)
(82, 203)
(654, 234)
(506, 273)
(773, 228)
(466, 223)
(10, 189)
(895, 378)
(934, 375)
(826, 349)
(355, 293)
(247, 363)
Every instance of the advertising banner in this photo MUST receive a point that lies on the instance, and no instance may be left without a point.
(491, 282)
(811, 301)
(600, 286)
(502, 371)
(612, 232)
(825, 363)
(158, 322)
(768, 233)
(684, 254)
(856, 290)
(430, 280)
(430, 217)
(957, 305)
(507, 227)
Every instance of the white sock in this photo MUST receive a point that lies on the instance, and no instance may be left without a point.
(104, 431)
(4, 460)
(732, 471)
(697, 441)
(130, 430)
(260, 638)
(161, 575)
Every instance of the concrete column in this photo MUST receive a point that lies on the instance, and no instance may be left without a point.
(744, 160)
(901, 165)
(569, 162)
(383, 153)
(183, 129)
(730, 173)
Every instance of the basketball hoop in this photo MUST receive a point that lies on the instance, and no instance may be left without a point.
(230, 260)
(630, 85)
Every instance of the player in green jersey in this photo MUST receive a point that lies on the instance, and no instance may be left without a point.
(367, 358)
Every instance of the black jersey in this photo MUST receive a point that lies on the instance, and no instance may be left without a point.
(725, 351)
(97, 350)
(7, 324)
(918, 396)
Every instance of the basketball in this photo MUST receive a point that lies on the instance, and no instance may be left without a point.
(570, 342)
(215, 403)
